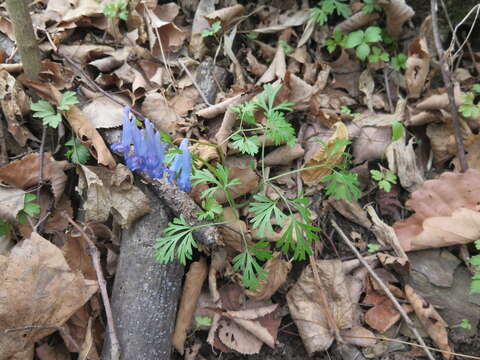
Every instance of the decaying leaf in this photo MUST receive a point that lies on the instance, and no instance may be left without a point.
(11, 202)
(77, 255)
(284, 155)
(324, 157)
(239, 168)
(446, 212)
(277, 270)
(309, 314)
(432, 322)
(230, 237)
(371, 143)
(24, 279)
(397, 12)
(418, 66)
(112, 192)
(24, 173)
(15, 105)
(188, 302)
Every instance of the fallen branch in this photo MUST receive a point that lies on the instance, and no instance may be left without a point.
(385, 289)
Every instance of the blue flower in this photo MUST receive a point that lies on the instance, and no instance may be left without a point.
(124, 145)
(183, 163)
(148, 152)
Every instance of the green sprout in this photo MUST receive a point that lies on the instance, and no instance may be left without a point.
(116, 9)
(360, 40)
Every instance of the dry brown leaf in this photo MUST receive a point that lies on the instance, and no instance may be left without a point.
(156, 108)
(285, 21)
(352, 211)
(346, 70)
(15, 105)
(299, 91)
(472, 150)
(446, 212)
(397, 12)
(374, 119)
(432, 322)
(371, 143)
(356, 21)
(84, 53)
(103, 113)
(200, 23)
(77, 255)
(284, 155)
(23, 279)
(112, 192)
(239, 167)
(359, 336)
(403, 161)
(235, 337)
(24, 173)
(56, 222)
(11, 202)
(440, 100)
(220, 108)
(309, 314)
(441, 140)
(226, 15)
(417, 67)
(254, 66)
(229, 237)
(191, 291)
(321, 157)
(277, 271)
(54, 352)
(277, 68)
(61, 76)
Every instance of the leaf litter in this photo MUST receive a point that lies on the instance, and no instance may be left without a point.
(285, 123)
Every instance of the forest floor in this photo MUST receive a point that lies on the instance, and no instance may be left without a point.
(320, 160)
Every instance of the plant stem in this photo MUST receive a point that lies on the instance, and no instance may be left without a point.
(25, 37)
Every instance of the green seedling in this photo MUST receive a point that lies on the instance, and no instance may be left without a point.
(370, 6)
(203, 321)
(116, 9)
(286, 47)
(373, 247)
(464, 324)
(399, 62)
(30, 208)
(338, 39)
(378, 55)
(469, 108)
(384, 179)
(360, 41)
(326, 8)
(398, 130)
(77, 153)
(49, 115)
(212, 30)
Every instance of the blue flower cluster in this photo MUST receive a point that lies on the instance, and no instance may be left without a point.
(148, 152)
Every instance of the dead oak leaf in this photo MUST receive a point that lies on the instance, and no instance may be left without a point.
(38, 288)
(24, 173)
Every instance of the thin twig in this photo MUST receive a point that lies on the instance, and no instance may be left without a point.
(42, 162)
(449, 86)
(204, 98)
(102, 284)
(385, 289)
(387, 89)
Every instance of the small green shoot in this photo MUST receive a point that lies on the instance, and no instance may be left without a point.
(343, 184)
(398, 131)
(219, 178)
(384, 178)
(30, 208)
(373, 247)
(464, 324)
(399, 62)
(360, 40)
(475, 261)
(346, 110)
(469, 108)
(378, 55)
(286, 47)
(116, 9)
(4, 228)
(211, 210)
(49, 115)
(252, 35)
(78, 153)
(203, 321)
(326, 8)
(246, 262)
(212, 30)
(338, 39)
(370, 6)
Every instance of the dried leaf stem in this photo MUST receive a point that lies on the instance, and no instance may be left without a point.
(449, 86)
(103, 287)
(387, 292)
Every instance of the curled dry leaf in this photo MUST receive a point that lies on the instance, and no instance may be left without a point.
(277, 270)
(191, 292)
(371, 143)
(309, 314)
(417, 67)
(23, 279)
(472, 150)
(442, 142)
(200, 23)
(440, 100)
(112, 192)
(324, 157)
(24, 173)
(432, 322)
(230, 237)
(15, 105)
(226, 15)
(397, 12)
(77, 255)
(446, 212)
(156, 108)
(277, 68)
(103, 113)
